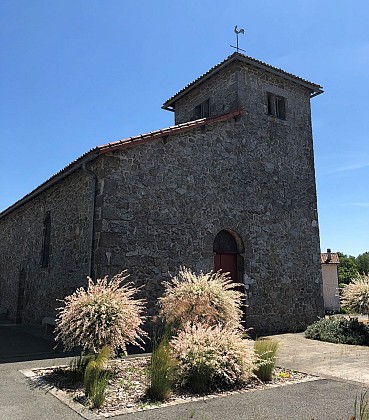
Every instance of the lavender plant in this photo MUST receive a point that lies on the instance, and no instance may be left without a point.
(104, 314)
(209, 298)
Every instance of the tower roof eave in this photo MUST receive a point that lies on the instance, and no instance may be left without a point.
(314, 88)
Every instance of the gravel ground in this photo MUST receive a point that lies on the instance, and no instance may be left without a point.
(127, 386)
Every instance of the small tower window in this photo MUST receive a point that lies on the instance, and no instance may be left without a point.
(202, 110)
(277, 106)
(46, 242)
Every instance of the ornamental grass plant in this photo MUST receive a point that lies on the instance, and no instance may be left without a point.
(161, 372)
(211, 357)
(355, 295)
(361, 407)
(77, 367)
(266, 350)
(96, 377)
(104, 314)
(207, 298)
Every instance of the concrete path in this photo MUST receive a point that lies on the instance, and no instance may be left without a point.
(324, 399)
(337, 361)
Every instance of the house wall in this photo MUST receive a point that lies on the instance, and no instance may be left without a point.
(22, 233)
(163, 203)
(330, 287)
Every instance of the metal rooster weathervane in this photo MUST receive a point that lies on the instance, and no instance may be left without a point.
(241, 31)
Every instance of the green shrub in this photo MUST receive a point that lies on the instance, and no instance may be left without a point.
(161, 372)
(266, 350)
(339, 330)
(211, 357)
(209, 298)
(106, 313)
(343, 310)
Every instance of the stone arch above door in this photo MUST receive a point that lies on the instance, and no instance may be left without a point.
(228, 241)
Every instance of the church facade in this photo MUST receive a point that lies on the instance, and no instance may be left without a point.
(230, 186)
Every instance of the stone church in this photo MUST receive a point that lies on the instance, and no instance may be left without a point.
(230, 186)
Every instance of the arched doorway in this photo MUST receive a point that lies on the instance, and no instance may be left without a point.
(228, 246)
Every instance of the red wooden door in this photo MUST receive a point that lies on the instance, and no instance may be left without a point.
(227, 263)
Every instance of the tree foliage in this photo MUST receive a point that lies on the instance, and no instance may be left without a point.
(350, 266)
(362, 262)
(347, 269)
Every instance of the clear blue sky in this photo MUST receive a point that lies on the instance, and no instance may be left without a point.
(78, 73)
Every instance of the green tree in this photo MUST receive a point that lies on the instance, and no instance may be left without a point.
(347, 269)
(362, 263)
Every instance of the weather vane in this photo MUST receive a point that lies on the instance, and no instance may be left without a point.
(241, 31)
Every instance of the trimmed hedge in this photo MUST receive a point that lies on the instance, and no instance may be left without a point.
(339, 330)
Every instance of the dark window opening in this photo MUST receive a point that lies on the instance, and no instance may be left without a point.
(20, 299)
(277, 106)
(46, 243)
(202, 110)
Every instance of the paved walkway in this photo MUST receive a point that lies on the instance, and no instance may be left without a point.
(325, 399)
(337, 361)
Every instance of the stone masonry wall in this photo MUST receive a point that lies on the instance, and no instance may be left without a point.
(221, 91)
(160, 204)
(163, 202)
(22, 232)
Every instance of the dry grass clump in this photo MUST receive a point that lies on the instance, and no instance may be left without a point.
(355, 295)
(209, 357)
(105, 314)
(208, 298)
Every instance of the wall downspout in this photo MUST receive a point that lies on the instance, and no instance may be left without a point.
(91, 217)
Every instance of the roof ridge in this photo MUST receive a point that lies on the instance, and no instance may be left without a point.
(247, 59)
(110, 146)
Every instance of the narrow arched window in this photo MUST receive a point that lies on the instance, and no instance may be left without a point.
(46, 242)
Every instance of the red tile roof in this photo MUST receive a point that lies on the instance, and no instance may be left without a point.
(153, 135)
(315, 89)
(334, 258)
(105, 148)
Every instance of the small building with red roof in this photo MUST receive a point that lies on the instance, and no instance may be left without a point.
(330, 262)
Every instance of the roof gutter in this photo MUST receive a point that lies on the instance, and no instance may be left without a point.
(316, 93)
(49, 183)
